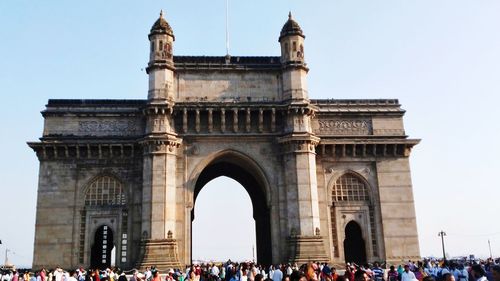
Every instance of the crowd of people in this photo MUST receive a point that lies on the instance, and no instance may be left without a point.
(426, 270)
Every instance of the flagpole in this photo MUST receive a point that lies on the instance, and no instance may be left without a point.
(227, 27)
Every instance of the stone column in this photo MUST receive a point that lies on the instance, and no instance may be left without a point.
(305, 242)
(158, 245)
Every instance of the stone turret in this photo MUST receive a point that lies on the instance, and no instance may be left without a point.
(161, 60)
(292, 59)
(292, 42)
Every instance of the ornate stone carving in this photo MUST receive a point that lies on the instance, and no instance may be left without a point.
(161, 146)
(194, 150)
(345, 126)
(107, 126)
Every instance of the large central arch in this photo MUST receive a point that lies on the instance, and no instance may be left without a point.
(245, 171)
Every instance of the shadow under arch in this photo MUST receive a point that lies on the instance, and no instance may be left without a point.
(103, 243)
(354, 244)
(245, 171)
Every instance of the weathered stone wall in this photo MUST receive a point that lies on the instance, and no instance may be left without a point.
(101, 126)
(398, 209)
(96, 118)
(255, 86)
(61, 194)
(55, 215)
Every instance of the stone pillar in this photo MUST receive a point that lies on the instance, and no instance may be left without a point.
(305, 242)
(158, 246)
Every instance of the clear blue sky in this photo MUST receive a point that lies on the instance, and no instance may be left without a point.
(441, 59)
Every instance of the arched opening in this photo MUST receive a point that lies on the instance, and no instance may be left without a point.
(223, 227)
(354, 244)
(105, 203)
(234, 167)
(351, 195)
(101, 256)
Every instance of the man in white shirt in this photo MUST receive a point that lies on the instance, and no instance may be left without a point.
(72, 276)
(7, 276)
(215, 272)
(407, 274)
(58, 273)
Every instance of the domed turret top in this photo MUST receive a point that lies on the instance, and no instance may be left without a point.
(161, 26)
(291, 27)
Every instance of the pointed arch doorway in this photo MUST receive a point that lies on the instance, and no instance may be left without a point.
(239, 168)
(354, 244)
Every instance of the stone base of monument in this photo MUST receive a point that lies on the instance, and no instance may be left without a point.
(160, 253)
(303, 249)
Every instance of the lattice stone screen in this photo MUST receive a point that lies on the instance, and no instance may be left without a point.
(350, 188)
(105, 190)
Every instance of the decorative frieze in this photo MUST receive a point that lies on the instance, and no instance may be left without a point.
(107, 126)
(345, 126)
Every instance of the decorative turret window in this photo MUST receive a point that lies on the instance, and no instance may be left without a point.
(105, 190)
(349, 187)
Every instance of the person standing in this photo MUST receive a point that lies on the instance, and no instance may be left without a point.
(361, 275)
(495, 272)
(378, 272)
(407, 274)
(393, 274)
(214, 272)
(277, 275)
(155, 275)
(478, 272)
(72, 276)
(43, 275)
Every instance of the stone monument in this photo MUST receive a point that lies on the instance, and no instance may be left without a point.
(329, 179)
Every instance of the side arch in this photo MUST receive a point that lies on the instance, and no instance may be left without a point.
(103, 200)
(351, 197)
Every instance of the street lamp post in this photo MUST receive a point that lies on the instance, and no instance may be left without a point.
(443, 234)
(6, 257)
(489, 246)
